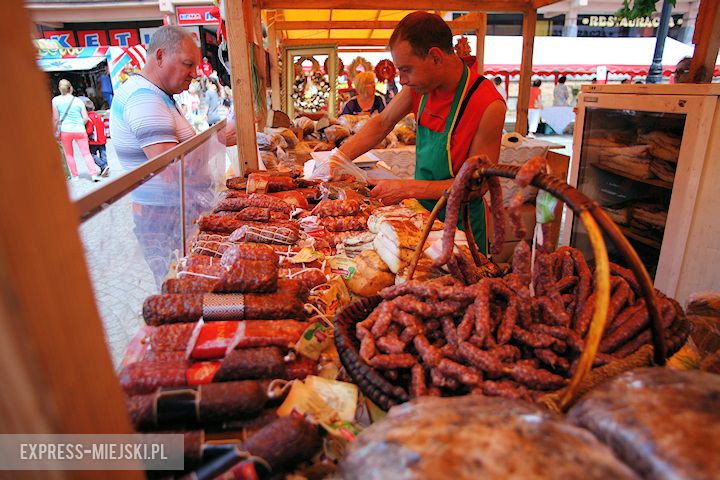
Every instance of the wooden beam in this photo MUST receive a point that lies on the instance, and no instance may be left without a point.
(360, 25)
(707, 42)
(260, 62)
(242, 88)
(445, 5)
(350, 42)
(529, 21)
(274, 63)
(480, 33)
(543, 3)
(58, 376)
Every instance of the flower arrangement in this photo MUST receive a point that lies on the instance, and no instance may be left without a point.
(311, 94)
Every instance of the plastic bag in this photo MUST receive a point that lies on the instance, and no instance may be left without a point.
(343, 165)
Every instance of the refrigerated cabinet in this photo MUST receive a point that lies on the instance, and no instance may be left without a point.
(648, 155)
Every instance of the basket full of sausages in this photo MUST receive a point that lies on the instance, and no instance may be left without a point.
(537, 330)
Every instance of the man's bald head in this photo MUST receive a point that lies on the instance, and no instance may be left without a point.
(168, 38)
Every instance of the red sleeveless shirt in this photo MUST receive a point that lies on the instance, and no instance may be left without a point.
(437, 108)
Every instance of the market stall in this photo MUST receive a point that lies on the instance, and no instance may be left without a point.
(296, 310)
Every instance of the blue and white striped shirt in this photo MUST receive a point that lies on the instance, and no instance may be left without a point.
(142, 115)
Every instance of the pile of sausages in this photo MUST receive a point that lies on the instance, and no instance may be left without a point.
(340, 215)
(496, 338)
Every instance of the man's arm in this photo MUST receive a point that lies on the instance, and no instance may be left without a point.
(152, 151)
(378, 127)
(488, 137)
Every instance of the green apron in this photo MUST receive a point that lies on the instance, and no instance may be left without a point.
(433, 160)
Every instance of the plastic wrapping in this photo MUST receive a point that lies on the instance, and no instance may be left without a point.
(340, 165)
(476, 437)
(664, 423)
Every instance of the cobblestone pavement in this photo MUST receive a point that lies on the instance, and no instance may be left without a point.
(119, 273)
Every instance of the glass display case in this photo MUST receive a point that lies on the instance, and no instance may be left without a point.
(641, 152)
(136, 225)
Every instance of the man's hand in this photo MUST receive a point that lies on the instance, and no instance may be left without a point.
(391, 192)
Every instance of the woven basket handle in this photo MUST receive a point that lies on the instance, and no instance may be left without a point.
(591, 216)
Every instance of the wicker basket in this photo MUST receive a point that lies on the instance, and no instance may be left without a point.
(382, 392)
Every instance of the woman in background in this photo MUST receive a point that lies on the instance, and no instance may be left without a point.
(366, 102)
(534, 107)
(70, 116)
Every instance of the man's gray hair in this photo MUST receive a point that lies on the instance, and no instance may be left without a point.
(169, 38)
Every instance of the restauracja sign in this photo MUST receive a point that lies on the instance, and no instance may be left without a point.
(611, 21)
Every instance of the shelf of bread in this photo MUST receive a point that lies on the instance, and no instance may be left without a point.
(650, 181)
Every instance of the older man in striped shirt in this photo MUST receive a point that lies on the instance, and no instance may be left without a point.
(144, 123)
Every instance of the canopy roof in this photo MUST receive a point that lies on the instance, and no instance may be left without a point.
(567, 54)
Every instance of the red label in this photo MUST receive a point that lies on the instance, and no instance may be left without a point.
(195, 16)
(214, 339)
(124, 38)
(92, 38)
(201, 373)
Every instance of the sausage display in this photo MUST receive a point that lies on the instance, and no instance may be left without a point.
(258, 200)
(203, 405)
(459, 338)
(336, 208)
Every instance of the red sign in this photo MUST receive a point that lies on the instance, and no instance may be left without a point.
(195, 16)
(65, 38)
(92, 38)
(124, 37)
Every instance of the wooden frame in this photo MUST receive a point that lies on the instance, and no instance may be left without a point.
(309, 50)
(59, 377)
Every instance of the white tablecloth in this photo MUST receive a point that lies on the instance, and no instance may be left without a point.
(558, 117)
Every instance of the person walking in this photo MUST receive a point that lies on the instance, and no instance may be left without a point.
(106, 86)
(534, 107)
(70, 116)
(97, 139)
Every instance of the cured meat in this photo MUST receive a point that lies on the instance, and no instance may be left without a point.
(205, 405)
(237, 252)
(286, 233)
(269, 333)
(213, 340)
(170, 338)
(146, 377)
(336, 208)
(229, 222)
(176, 308)
(344, 224)
(249, 276)
(294, 198)
(259, 200)
(310, 277)
(189, 284)
(251, 363)
(262, 182)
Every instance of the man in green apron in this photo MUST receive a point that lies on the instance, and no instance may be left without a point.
(422, 51)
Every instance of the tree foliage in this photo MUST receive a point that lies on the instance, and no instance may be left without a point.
(633, 9)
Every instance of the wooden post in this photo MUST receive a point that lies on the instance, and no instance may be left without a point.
(261, 63)
(521, 122)
(707, 42)
(274, 64)
(58, 374)
(480, 33)
(242, 88)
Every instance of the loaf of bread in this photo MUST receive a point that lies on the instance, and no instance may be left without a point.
(664, 423)
(477, 437)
